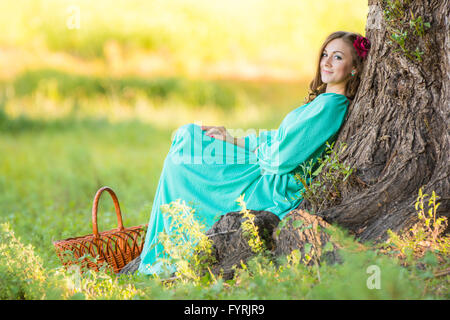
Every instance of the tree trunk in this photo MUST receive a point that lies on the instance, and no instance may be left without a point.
(230, 243)
(306, 233)
(397, 131)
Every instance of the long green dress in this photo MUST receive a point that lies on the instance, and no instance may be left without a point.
(211, 174)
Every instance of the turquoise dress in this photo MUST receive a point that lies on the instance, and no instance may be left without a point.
(211, 174)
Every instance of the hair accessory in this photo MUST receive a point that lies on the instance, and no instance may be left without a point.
(362, 46)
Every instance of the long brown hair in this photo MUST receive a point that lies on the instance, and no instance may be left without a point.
(317, 87)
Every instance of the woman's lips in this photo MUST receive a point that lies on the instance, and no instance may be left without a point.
(325, 71)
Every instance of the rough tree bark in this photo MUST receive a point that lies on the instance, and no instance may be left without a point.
(230, 244)
(397, 129)
(302, 228)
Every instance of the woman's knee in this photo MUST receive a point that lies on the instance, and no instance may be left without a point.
(186, 134)
(187, 130)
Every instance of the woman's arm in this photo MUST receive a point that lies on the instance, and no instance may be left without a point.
(222, 134)
(240, 142)
(301, 138)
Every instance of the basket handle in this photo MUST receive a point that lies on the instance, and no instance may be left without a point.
(95, 207)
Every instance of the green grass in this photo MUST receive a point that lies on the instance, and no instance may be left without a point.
(166, 102)
(191, 92)
(78, 113)
(25, 276)
(49, 175)
(51, 169)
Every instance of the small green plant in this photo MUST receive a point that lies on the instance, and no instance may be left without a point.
(322, 185)
(426, 234)
(21, 270)
(400, 37)
(186, 246)
(434, 226)
(424, 247)
(250, 230)
(418, 54)
(398, 24)
(418, 25)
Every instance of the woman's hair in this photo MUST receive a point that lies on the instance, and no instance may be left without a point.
(317, 87)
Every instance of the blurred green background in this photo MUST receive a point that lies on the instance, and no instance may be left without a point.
(92, 91)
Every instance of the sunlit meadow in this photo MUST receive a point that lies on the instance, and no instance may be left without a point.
(90, 95)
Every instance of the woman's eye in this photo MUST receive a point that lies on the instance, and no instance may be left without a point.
(338, 57)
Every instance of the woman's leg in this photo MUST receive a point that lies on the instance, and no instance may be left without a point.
(201, 169)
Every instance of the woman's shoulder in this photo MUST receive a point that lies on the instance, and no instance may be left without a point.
(331, 98)
(328, 102)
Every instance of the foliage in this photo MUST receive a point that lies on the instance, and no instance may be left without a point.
(46, 197)
(426, 234)
(322, 185)
(186, 247)
(250, 230)
(23, 276)
(261, 278)
(57, 85)
(182, 33)
(66, 132)
(188, 251)
(91, 285)
(50, 98)
(425, 245)
(396, 15)
(21, 272)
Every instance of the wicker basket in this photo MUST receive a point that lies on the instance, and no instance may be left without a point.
(116, 247)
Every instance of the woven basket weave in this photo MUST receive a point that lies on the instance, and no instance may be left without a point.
(116, 247)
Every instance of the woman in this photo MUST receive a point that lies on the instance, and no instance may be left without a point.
(210, 169)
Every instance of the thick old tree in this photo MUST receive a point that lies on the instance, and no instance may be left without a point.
(397, 131)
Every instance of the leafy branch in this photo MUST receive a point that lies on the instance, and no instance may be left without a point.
(322, 185)
(398, 25)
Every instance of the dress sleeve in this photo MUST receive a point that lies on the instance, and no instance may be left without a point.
(298, 139)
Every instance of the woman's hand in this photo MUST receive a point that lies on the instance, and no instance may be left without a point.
(218, 133)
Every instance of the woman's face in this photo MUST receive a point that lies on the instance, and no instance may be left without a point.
(336, 64)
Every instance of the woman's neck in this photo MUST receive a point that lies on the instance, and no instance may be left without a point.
(335, 89)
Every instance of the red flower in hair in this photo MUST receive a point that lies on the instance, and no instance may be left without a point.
(362, 46)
